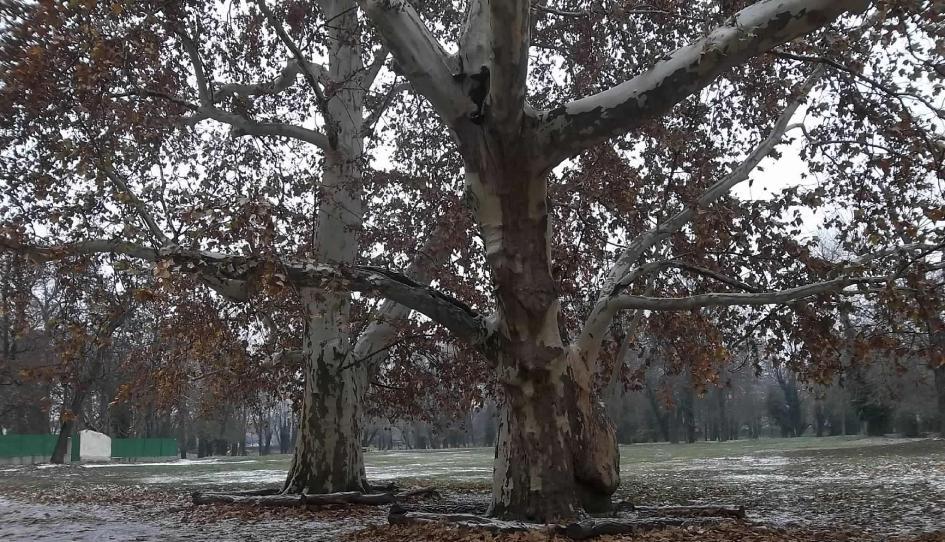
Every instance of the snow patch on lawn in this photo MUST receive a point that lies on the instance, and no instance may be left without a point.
(176, 463)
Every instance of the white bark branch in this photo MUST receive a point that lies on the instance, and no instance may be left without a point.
(419, 56)
(382, 330)
(643, 242)
(381, 108)
(241, 126)
(623, 302)
(372, 71)
(204, 90)
(311, 76)
(510, 24)
(568, 130)
(282, 82)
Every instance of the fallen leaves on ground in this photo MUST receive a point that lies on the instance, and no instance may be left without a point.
(252, 514)
(740, 532)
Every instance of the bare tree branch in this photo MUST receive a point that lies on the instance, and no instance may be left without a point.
(623, 273)
(738, 175)
(229, 270)
(382, 329)
(624, 302)
(371, 72)
(568, 130)
(282, 82)
(378, 112)
(715, 275)
(539, 8)
(241, 125)
(244, 126)
(204, 89)
(310, 74)
(138, 205)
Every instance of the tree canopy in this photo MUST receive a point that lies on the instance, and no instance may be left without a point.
(544, 184)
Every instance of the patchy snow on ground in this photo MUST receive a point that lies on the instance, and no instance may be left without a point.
(879, 485)
(175, 463)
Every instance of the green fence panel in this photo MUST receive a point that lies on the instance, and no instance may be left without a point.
(130, 448)
(27, 445)
(76, 446)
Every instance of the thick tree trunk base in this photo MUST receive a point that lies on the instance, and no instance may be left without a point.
(268, 498)
(672, 516)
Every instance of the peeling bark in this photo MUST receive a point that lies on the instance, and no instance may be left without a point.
(556, 455)
(328, 456)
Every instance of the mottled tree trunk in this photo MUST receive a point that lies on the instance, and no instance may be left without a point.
(327, 456)
(556, 451)
(556, 454)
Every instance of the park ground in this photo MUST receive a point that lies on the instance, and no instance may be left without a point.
(825, 489)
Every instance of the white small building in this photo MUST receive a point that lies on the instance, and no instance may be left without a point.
(94, 446)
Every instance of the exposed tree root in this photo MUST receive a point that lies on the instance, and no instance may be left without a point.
(398, 516)
(268, 498)
(580, 530)
(257, 492)
(708, 511)
(389, 487)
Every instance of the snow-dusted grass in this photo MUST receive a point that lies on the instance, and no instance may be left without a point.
(886, 484)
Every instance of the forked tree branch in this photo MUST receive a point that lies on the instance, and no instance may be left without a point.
(624, 302)
(583, 123)
(135, 202)
(643, 242)
(240, 124)
(371, 345)
(311, 76)
(623, 273)
(282, 82)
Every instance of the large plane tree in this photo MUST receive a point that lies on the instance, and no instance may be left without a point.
(177, 124)
(600, 143)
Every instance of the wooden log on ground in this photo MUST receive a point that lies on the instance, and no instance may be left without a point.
(398, 516)
(389, 487)
(257, 492)
(624, 506)
(258, 500)
(717, 511)
(580, 530)
(591, 528)
(348, 497)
